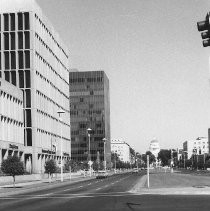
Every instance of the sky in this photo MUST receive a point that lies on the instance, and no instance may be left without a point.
(152, 53)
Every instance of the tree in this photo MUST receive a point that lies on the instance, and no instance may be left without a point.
(12, 166)
(164, 155)
(50, 167)
(73, 164)
(98, 165)
(151, 157)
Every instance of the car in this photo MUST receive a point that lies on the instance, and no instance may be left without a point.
(135, 170)
(101, 175)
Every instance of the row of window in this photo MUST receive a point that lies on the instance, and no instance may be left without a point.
(50, 67)
(10, 60)
(83, 80)
(93, 132)
(9, 21)
(50, 100)
(11, 121)
(50, 34)
(52, 85)
(51, 134)
(10, 41)
(10, 97)
(50, 50)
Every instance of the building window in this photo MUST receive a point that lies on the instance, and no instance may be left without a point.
(6, 57)
(26, 17)
(6, 22)
(27, 40)
(21, 79)
(6, 41)
(20, 21)
(12, 36)
(20, 58)
(13, 76)
(27, 59)
(13, 60)
(12, 21)
(20, 40)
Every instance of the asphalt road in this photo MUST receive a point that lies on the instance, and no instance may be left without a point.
(97, 195)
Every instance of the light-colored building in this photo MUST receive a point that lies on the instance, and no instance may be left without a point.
(34, 59)
(122, 149)
(11, 120)
(198, 146)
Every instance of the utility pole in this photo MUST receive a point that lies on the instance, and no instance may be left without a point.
(147, 171)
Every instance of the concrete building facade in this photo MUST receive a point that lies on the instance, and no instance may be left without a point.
(34, 59)
(90, 108)
(11, 121)
(122, 149)
(199, 146)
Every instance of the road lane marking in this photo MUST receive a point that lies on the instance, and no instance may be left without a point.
(69, 196)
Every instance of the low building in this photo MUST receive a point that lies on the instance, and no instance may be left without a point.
(11, 121)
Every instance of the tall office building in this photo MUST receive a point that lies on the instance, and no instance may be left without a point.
(34, 59)
(90, 108)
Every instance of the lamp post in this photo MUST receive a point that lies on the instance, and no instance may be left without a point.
(60, 119)
(104, 140)
(89, 155)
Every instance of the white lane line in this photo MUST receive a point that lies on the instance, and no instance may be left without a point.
(98, 188)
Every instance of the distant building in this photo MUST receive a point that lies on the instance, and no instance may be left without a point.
(154, 147)
(122, 149)
(90, 108)
(34, 59)
(199, 146)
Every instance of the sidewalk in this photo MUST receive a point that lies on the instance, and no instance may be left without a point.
(24, 186)
(173, 184)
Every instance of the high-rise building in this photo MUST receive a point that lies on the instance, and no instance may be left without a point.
(90, 108)
(34, 59)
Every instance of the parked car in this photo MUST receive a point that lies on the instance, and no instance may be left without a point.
(135, 170)
(101, 175)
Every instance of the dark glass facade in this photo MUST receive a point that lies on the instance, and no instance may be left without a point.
(90, 108)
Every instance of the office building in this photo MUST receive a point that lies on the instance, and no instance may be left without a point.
(90, 108)
(11, 120)
(199, 146)
(34, 59)
(122, 149)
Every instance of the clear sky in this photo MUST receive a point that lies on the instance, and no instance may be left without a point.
(152, 54)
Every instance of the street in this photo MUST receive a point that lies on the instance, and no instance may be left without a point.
(111, 193)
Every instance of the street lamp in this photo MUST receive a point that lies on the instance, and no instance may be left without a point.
(60, 119)
(104, 140)
(89, 155)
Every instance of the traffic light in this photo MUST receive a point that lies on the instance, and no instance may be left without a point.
(204, 28)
